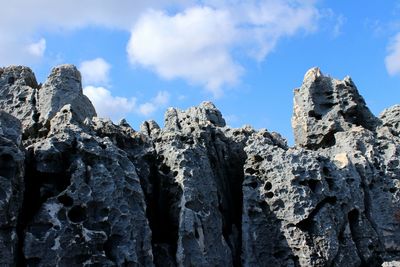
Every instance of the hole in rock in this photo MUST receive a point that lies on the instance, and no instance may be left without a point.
(312, 184)
(267, 186)
(66, 200)
(328, 140)
(251, 171)
(110, 247)
(77, 214)
(313, 114)
(7, 166)
(11, 80)
(165, 169)
(258, 158)
(307, 224)
(270, 195)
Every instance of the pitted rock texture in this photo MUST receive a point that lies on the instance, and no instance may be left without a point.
(12, 170)
(324, 106)
(78, 190)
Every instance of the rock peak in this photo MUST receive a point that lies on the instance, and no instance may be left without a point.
(78, 190)
(312, 74)
(204, 114)
(324, 106)
(66, 70)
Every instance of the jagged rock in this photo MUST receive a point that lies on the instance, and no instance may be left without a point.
(197, 188)
(62, 87)
(391, 264)
(89, 206)
(77, 190)
(324, 106)
(335, 206)
(206, 113)
(391, 118)
(12, 170)
(18, 90)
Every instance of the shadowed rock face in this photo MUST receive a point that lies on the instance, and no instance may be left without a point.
(77, 190)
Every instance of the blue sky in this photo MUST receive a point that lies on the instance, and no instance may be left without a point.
(139, 57)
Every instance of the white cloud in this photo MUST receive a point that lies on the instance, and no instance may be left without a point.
(95, 71)
(197, 44)
(263, 23)
(392, 60)
(337, 29)
(160, 101)
(193, 45)
(107, 105)
(53, 16)
(196, 40)
(37, 49)
(116, 107)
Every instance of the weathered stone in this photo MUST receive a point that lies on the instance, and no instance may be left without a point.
(199, 183)
(62, 87)
(324, 106)
(88, 192)
(391, 118)
(89, 206)
(335, 206)
(18, 95)
(12, 170)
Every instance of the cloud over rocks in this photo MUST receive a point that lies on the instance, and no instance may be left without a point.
(197, 44)
(37, 49)
(161, 100)
(116, 107)
(22, 20)
(95, 71)
(201, 41)
(107, 105)
(392, 60)
(193, 45)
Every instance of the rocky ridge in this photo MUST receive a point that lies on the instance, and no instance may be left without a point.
(78, 190)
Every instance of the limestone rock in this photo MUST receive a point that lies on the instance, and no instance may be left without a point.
(18, 95)
(12, 171)
(91, 209)
(324, 106)
(332, 200)
(391, 118)
(78, 190)
(199, 187)
(62, 87)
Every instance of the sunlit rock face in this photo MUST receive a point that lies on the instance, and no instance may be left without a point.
(78, 190)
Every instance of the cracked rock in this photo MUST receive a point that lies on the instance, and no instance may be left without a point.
(78, 190)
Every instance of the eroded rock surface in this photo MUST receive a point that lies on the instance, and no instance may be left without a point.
(12, 171)
(78, 190)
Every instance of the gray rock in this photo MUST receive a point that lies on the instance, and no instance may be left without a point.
(324, 106)
(18, 96)
(91, 209)
(62, 87)
(78, 190)
(199, 184)
(391, 118)
(391, 264)
(325, 202)
(12, 170)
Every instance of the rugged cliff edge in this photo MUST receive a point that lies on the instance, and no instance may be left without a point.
(78, 190)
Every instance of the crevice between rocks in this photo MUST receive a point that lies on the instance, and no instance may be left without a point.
(162, 196)
(306, 224)
(39, 187)
(228, 168)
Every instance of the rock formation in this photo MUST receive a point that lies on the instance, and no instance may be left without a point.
(78, 190)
